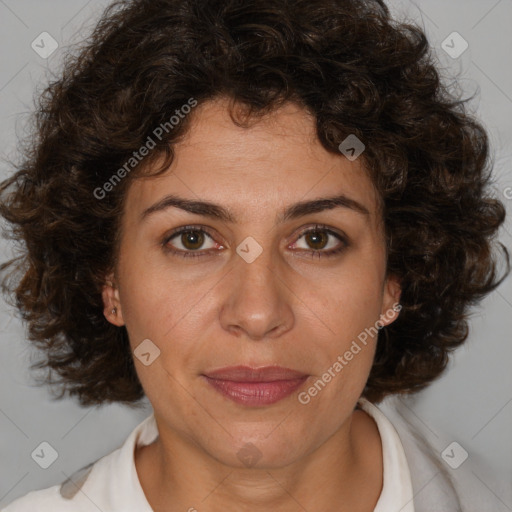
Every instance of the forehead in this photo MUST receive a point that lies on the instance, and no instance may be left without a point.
(275, 161)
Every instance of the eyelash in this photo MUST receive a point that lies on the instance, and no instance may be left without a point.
(313, 252)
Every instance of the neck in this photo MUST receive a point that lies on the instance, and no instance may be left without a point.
(344, 474)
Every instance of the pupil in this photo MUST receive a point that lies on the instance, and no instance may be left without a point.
(317, 237)
(192, 239)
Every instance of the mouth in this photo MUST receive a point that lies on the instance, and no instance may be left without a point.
(255, 386)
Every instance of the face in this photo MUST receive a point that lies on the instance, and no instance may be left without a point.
(268, 284)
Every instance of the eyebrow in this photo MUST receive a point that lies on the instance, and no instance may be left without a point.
(215, 211)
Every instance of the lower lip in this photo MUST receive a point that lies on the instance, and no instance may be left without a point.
(256, 393)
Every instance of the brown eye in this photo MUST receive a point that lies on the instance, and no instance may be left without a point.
(192, 240)
(189, 241)
(319, 238)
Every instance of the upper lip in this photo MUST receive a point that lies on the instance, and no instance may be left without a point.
(248, 374)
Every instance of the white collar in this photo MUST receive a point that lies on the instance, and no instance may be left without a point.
(397, 493)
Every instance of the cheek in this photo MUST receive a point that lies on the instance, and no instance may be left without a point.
(346, 363)
(348, 299)
(148, 291)
(348, 304)
(168, 309)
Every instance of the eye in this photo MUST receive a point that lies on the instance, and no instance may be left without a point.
(189, 240)
(317, 240)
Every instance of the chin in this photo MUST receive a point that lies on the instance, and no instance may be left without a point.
(259, 451)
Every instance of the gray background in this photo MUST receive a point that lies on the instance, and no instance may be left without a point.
(470, 404)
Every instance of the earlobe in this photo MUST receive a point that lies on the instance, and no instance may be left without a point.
(391, 304)
(111, 303)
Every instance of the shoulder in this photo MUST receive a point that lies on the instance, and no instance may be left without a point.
(109, 483)
(86, 490)
(433, 486)
(63, 497)
(438, 483)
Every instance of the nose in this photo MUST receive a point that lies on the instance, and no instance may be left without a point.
(257, 299)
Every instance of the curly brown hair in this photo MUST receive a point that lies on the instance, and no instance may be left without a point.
(346, 61)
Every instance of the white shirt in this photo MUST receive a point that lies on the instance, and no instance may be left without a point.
(111, 484)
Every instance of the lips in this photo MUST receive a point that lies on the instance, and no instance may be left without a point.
(248, 374)
(255, 386)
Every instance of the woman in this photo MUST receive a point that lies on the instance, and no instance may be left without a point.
(265, 216)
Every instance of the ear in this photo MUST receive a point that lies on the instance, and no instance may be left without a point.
(391, 300)
(111, 303)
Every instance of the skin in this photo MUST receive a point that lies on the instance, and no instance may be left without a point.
(285, 308)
